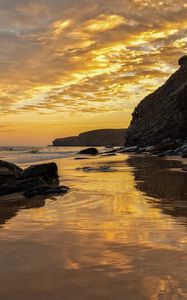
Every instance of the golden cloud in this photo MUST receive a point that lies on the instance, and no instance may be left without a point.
(86, 57)
(104, 22)
(59, 26)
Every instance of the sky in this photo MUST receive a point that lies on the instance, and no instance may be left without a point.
(68, 66)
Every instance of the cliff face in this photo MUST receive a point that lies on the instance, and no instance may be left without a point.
(102, 137)
(162, 114)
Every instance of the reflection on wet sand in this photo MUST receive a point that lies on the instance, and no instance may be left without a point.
(13, 203)
(104, 240)
(157, 178)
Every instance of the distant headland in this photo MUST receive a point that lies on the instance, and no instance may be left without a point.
(100, 137)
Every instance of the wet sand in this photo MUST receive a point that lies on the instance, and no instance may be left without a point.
(119, 234)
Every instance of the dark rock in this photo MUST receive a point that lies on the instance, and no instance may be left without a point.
(9, 172)
(164, 146)
(141, 150)
(183, 61)
(150, 148)
(89, 151)
(166, 153)
(21, 185)
(109, 154)
(99, 169)
(46, 171)
(81, 158)
(28, 183)
(33, 151)
(129, 149)
(45, 190)
(184, 151)
(6, 189)
(35, 180)
(162, 114)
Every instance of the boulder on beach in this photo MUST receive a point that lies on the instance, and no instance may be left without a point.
(9, 172)
(35, 180)
(46, 171)
(89, 151)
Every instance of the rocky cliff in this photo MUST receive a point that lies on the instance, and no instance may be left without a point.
(101, 137)
(162, 114)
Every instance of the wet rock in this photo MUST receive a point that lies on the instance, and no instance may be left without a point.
(21, 185)
(120, 149)
(6, 189)
(89, 151)
(46, 171)
(9, 172)
(164, 148)
(184, 168)
(129, 149)
(150, 148)
(35, 180)
(99, 169)
(45, 190)
(184, 151)
(33, 151)
(109, 154)
(141, 150)
(81, 158)
(166, 153)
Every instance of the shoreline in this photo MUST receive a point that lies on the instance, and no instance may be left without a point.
(18, 198)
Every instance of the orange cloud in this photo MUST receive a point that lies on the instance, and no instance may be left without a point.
(104, 22)
(84, 59)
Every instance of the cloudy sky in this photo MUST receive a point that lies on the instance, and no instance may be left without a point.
(68, 66)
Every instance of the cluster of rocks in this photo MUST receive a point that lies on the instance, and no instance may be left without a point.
(35, 180)
(102, 169)
(95, 151)
(166, 147)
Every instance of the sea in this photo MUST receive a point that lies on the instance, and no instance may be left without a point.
(24, 154)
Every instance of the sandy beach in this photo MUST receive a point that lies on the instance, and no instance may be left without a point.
(120, 233)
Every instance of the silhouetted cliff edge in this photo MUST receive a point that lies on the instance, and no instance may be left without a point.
(162, 114)
(101, 137)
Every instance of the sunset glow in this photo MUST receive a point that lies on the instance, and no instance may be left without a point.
(72, 66)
